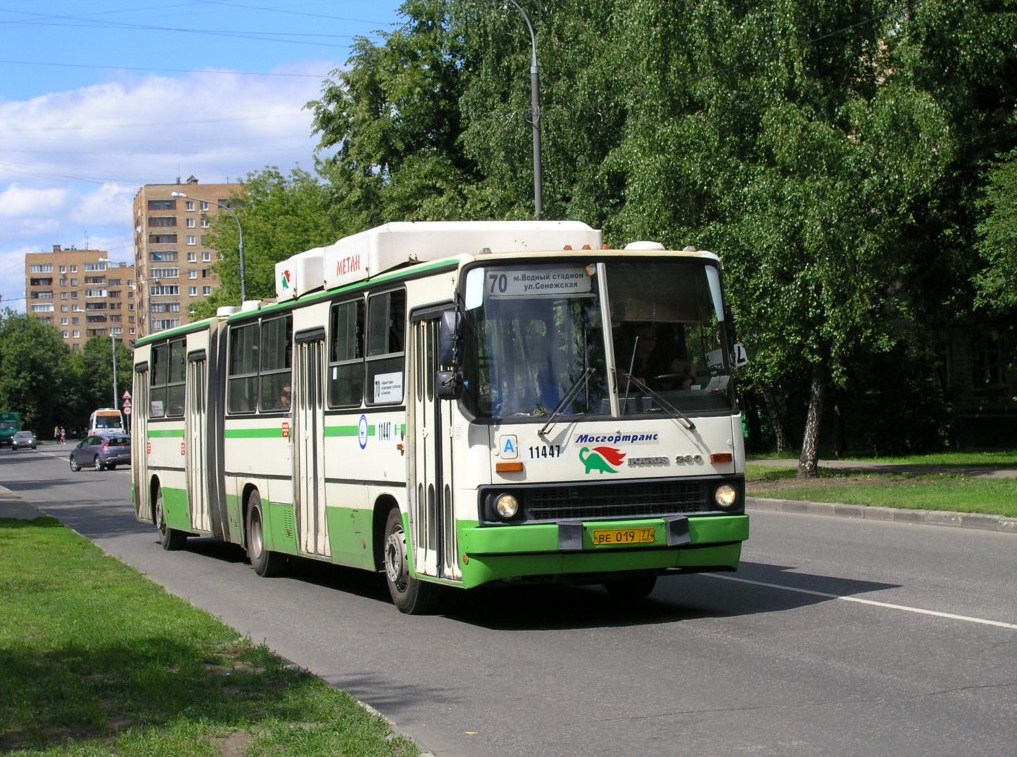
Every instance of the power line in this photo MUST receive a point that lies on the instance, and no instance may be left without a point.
(112, 67)
(68, 21)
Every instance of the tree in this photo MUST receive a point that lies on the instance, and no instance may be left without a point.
(392, 118)
(997, 238)
(831, 152)
(35, 373)
(95, 383)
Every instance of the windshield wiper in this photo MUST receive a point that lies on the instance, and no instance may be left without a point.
(675, 412)
(569, 396)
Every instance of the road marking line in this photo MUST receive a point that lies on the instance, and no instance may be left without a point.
(873, 603)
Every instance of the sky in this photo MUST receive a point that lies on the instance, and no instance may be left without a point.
(99, 98)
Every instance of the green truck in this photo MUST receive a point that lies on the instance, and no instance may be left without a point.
(10, 424)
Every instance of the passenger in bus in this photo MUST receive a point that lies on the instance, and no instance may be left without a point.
(285, 398)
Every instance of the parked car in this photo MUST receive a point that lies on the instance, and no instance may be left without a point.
(22, 439)
(101, 451)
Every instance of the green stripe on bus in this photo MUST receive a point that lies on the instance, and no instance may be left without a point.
(254, 433)
(275, 431)
(173, 433)
(355, 430)
(346, 430)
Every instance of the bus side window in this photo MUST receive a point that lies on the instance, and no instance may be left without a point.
(276, 357)
(346, 354)
(242, 377)
(386, 326)
(158, 377)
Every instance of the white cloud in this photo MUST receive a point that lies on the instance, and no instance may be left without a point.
(73, 161)
(110, 204)
(17, 202)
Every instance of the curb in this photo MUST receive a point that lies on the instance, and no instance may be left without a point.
(980, 521)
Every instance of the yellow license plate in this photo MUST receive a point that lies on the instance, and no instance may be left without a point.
(602, 536)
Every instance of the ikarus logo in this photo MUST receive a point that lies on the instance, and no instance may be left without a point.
(601, 459)
(284, 280)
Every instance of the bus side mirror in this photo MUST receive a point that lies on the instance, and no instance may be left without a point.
(448, 382)
(448, 385)
(449, 335)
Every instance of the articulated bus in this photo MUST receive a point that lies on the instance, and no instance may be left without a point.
(455, 404)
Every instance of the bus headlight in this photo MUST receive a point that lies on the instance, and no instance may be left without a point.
(506, 506)
(725, 496)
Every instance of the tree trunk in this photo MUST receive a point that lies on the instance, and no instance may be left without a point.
(808, 462)
(775, 409)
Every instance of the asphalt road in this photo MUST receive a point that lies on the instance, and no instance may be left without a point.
(836, 637)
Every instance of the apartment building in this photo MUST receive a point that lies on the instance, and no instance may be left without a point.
(82, 293)
(173, 263)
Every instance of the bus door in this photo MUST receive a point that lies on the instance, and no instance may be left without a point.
(139, 454)
(196, 435)
(307, 437)
(432, 517)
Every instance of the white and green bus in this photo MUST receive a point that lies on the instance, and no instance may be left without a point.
(454, 404)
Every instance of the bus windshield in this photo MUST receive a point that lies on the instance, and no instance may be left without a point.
(535, 342)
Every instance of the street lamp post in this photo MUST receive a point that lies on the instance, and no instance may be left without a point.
(538, 202)
(240, 236)
(113, 344)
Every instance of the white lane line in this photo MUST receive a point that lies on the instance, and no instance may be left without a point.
(886, 605)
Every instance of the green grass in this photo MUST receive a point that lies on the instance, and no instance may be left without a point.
(95, 659)
(955, 482)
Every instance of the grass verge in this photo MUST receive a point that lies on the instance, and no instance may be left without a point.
(96, 659)
(955, 482)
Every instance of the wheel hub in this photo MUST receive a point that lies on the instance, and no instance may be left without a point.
(395, 566)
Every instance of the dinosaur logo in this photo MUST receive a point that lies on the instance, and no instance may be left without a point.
(284, 280)
(601, 459)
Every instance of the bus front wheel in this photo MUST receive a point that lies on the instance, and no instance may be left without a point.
(631, 588)
(410, 595)
(265, 562)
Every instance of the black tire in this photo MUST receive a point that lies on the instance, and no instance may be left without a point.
(265, 562)
(170, 538)
(98, 464)
(631, 588)
(410, 595)
(75, 465)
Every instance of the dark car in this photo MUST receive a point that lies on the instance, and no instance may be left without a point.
(101, 451)
(23, 439)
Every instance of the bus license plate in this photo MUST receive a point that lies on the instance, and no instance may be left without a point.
(603, 536)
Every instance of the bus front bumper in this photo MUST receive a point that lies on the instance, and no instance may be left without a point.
(495, 553)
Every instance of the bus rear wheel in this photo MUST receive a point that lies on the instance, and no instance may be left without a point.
(265, 562)
(170, 538)
(410, 595)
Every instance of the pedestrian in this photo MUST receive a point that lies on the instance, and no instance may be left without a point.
(63, 436)
(56, 434)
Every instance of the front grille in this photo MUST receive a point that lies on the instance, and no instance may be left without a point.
(636, 499)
